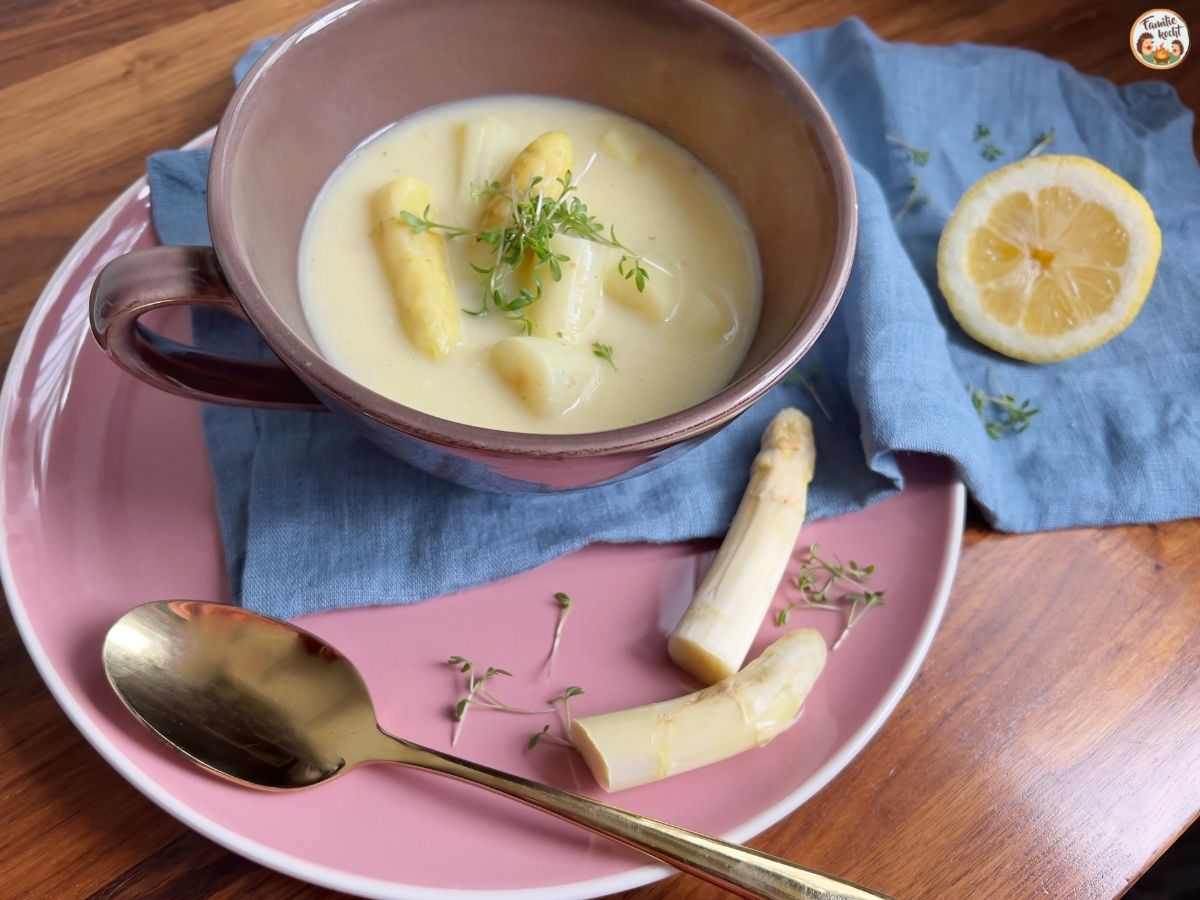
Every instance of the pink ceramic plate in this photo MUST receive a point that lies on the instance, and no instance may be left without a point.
(106, 501)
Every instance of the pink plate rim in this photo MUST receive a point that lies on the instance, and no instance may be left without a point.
(355, 884)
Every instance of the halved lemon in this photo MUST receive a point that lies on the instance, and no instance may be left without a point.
(1048, 257)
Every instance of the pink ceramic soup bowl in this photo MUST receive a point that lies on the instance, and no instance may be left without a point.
(341, 75)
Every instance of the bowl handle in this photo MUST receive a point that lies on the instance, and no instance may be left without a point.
(144, 280)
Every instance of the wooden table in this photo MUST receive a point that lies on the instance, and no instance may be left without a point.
(1049, 746)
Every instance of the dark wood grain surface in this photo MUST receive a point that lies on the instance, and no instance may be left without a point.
(1050, 746)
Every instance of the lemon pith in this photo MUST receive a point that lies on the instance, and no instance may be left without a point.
(1048, 257)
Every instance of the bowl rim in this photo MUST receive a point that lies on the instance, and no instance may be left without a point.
(696, 420)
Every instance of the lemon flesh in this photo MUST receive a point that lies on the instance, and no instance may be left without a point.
(1048, 257)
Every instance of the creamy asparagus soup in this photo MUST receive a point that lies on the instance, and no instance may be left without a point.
(530, 264)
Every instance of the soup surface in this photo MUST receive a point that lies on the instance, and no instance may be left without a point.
(624, 335)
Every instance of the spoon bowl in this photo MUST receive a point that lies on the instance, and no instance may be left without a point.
(269, 705)
(249, 698)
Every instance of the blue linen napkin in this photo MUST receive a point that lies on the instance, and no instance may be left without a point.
(314, 517)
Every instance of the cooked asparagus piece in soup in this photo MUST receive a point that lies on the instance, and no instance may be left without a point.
(417, 268)
(655, 299)
(570, 306)
(488, 146)
(546, 160)
(549, 376)
(618, 144)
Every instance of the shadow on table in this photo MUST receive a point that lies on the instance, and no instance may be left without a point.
(1176, 875)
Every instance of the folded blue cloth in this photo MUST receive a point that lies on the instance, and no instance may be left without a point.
(316, 518)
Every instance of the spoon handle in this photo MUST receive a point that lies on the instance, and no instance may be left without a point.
(741, 870)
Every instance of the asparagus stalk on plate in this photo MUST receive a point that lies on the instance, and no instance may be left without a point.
(635, 746)
(716, 631)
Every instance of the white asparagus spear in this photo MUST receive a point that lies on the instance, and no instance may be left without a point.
(488, 147)
(548, 157)
(618, 144)
(417, 268)
(656, 300)
(550, 377)
(707, 316)
(716, 631)
(570, 308)
(634, 746)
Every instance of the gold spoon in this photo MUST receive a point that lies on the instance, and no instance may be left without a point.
(267, 705)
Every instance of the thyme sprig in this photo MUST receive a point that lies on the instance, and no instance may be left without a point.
(843, 588)
(535, 217)
(919, 156)
(564, 609)
(916, 198)
(1008, 416)
(1044, 140)
(605, 352)
(546, 734)
(478, 694)
(809, 382)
